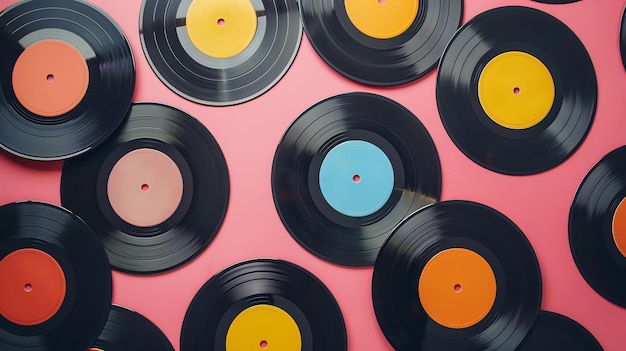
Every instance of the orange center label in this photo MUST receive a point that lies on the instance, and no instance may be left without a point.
(457, 288)
(33, 287)
(619, 227)
(50, 78)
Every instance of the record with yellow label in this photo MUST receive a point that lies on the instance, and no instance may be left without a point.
(381, 42)
(597, 227)
(55, 279)
(456, 275)
(263, 304)
(67, 77)
(220, 52)
(516, 90)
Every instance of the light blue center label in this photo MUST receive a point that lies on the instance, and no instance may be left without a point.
(356, 178)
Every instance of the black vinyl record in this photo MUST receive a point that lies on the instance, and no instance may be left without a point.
(159, 151)
(376, 59)
(428, 241)
(56, 280)
(348, 170)
(127, 330)
(622, 38)
(595, 235)
(67, 77)
(516, 98)
(198, 74)
(553, 331)
(269, 303)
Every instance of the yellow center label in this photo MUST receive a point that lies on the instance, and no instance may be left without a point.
(221, 28)
(263, 327)
(457, 288)
(516, 90)
(382, 19)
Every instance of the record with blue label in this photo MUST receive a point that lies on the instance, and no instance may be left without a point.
(348, 170)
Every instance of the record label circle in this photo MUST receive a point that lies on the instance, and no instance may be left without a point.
(356, 178)
(50, 78)
(618, 227)
(261, 327)
(33, 287)
(145, 187)
(221, 28)
(516, 90)
(457, 288)
(382, 19)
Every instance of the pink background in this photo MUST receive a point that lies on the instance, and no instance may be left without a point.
(249, 133)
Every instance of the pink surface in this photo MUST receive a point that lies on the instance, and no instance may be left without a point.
(249, 133)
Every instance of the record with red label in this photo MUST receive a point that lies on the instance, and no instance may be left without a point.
(56, 280)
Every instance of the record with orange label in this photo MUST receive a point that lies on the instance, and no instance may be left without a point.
(456, 275)
(67, 77)
(381, 43)
(344, 175)
(263, 304)
(127, 330)
(156, 192)
(597, 227)
(56, 286)
(516, 90)
(220, 52)
(553, 331)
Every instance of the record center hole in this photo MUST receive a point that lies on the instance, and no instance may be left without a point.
(145, 187)
(28, 287)
(356, 178)
(221, 22)
(382, 2)
(263, 344)
(458, 287)
(516, 91)
(50, 77)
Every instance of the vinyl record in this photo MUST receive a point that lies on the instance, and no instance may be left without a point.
(516, 98)
(597, 227)
(126, 330)
(56, 280)
(622, 38)
(456, 275)
(348, 170)
(220, 52)
(553, 331)
(67, 77)
(263, 304)
(155, 193)
(381, 43)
